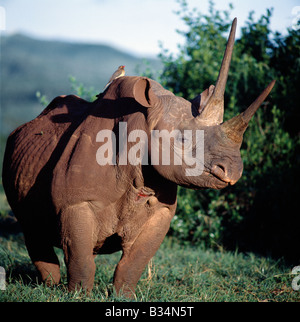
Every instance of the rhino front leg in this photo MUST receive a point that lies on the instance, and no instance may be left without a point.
(137, 255)
(77, 235)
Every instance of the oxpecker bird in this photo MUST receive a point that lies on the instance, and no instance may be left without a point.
(118, 73)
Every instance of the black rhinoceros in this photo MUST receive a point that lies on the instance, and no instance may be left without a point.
(86, 176)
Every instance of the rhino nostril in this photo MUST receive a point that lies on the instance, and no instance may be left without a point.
(219, 171)
(221, 167)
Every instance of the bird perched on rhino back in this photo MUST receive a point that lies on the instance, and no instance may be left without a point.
(118, 73)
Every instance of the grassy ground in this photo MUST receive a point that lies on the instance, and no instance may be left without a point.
(176, 273)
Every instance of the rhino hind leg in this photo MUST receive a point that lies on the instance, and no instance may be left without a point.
(49, 270)
(43, 257)
(136, 256)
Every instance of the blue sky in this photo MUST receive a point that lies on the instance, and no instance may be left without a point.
(136, 26)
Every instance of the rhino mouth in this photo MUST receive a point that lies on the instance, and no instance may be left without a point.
(221, 182)
(220, 173)
(217, 178)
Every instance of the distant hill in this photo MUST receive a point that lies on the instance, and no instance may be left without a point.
(29, 65)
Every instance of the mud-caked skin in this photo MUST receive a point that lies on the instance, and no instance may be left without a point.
(63, 197)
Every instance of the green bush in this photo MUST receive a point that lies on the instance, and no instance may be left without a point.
(258, 213)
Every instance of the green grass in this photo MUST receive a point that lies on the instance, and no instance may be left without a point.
(176, 273)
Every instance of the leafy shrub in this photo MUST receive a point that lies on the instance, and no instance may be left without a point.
(258, 212)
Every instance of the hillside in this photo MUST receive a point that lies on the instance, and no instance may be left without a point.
(29, 65)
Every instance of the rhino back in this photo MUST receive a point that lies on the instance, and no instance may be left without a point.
(33, 149)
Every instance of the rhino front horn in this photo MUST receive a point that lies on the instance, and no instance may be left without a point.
(214, 110)
(235, 127)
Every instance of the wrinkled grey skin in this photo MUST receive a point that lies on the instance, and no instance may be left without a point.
(62, 197)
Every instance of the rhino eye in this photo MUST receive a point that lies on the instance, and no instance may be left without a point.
(185, 140)
(181, 138)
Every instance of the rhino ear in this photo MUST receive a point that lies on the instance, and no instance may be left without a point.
(199, 102)
(144, 94)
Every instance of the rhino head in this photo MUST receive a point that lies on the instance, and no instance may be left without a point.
(219, 161)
